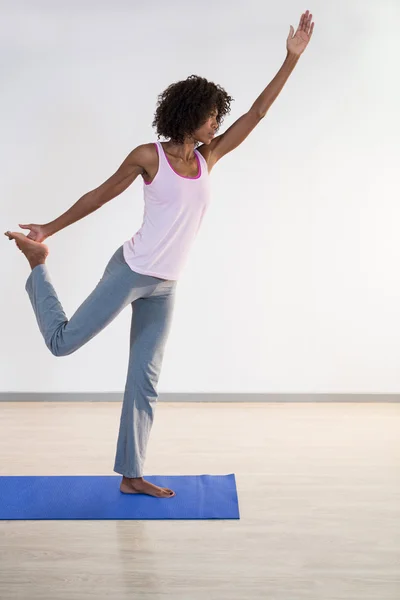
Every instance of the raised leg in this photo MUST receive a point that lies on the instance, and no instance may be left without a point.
(118, 287)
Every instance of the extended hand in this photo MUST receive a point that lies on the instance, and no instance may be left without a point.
(37, 233)
(297, 43)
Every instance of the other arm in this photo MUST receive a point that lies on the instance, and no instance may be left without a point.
(133, 165)
(241, 128)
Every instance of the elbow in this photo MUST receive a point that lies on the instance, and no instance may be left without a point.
(96, 199)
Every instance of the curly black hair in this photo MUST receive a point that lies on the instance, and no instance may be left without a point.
(186, 105)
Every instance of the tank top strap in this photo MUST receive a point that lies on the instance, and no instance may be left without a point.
(161, 153)
(203, 162)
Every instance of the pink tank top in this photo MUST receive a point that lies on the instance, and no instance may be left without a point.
(174, 207)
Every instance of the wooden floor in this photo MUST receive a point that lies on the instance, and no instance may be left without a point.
(319, 495)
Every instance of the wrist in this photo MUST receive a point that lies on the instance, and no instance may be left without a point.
(48, 230)
(292, 58)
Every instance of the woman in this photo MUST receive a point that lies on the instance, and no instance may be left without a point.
(144, 271)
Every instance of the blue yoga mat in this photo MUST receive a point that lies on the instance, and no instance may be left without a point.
(98, 497)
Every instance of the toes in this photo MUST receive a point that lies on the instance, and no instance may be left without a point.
(165, 493)
(12, 236)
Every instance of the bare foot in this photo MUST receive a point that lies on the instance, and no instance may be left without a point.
(140, 486)
(35, 252)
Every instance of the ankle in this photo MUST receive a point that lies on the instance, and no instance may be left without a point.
(36, 263)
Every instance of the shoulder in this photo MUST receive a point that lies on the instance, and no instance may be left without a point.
(208, 153)
(204, 150)
(145, 156)
(146, 152)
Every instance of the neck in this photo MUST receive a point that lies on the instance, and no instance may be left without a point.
(183, 151)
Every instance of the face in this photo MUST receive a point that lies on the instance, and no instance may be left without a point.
(206, 132)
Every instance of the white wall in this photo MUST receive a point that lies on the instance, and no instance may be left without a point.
(293, 284)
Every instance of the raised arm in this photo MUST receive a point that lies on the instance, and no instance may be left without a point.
(240, 129)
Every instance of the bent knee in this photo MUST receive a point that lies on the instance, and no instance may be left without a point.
(58, 349)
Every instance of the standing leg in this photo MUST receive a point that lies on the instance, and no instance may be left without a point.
(151, 322)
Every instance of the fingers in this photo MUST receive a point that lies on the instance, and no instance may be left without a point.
(309, 26)
(305, 22)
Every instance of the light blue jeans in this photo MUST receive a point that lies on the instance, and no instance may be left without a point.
(152, 300)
